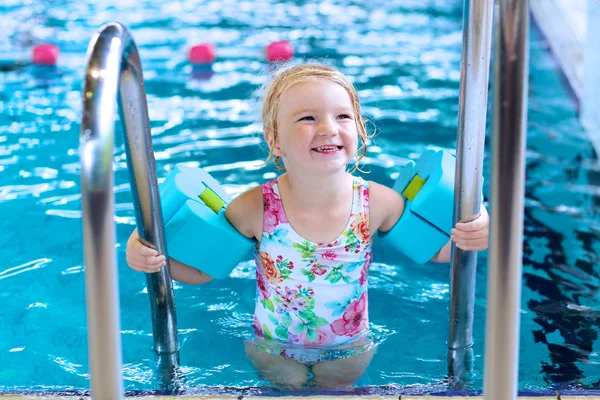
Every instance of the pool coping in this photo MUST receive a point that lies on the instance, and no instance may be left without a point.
(258, 393)
(327, 397)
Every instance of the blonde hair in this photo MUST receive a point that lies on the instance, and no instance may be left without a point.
(287, 77)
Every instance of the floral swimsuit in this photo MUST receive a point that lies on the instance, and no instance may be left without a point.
(312, 294)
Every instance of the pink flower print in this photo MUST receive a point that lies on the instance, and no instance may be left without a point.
(365, 193)
(318, 269)
(271, 271)
(293, 338)
(273, 209)
(263, 286)
(289, 300)
(354, 320)
(329, 255)
(364, 272)
(324, 338)
(257, 328)
(360, 227)
(300, 304)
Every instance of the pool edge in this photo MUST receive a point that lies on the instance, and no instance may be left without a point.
(345, 397)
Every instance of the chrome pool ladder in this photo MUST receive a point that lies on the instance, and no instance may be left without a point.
(511, 29)
(114, 72)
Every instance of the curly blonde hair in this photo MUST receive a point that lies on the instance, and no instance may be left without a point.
(290, 76)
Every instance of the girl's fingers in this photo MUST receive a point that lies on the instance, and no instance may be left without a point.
(468, 241)
(154, 260)
(145, 263)
(143, 258)
(461, 234)
(482, 221)
(472, 244)
(147, 251)
(470, 248)
(472, 226)
(146, 268)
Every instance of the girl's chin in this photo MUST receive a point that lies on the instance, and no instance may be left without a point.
(331, 166)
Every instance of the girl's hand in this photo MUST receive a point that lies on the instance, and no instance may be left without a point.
(472, 235)
(141, 257)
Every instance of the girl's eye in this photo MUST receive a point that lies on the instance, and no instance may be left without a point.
(345, 116)
(307, 118)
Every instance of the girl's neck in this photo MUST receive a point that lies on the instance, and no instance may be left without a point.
(318, 191)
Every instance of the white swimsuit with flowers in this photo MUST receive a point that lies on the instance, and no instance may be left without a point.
(312, 294)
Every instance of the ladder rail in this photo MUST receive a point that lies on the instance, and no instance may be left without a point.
(114, 73)
(511, 83)
(477, 40)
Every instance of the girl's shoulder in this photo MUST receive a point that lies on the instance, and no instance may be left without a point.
(245, 213)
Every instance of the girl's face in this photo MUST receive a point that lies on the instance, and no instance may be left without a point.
(316, 127)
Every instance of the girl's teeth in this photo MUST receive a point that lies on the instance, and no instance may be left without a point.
(326, 149)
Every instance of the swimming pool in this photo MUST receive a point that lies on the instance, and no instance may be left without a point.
(409, 92)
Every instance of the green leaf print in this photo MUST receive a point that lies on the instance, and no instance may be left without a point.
(300, 328)
(307, 315)
(306, 249)
(334, 276)
(317, 322)
(267, 332)
(273, 319)
(284, 268)
(286, 320)
(350, 236)
(309, 273)
(347, 279)
(285, 273)
(268, 304)
(312, 335)
(351, 240)
(281, 332)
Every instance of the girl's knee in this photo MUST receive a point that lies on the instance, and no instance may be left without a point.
(280, 372)
(342, 373)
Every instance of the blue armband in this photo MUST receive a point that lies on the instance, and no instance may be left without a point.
(196, 230)
(428, 191)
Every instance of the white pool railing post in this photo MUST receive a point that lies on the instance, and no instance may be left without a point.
(475, 69)
(114, 71)
(511, 83)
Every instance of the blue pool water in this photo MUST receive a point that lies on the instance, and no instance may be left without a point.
(409, 93)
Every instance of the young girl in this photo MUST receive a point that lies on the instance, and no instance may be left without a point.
(314, 225)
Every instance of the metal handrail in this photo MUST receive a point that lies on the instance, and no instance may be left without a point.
(477, 40)
(511, 82)
(114, 70)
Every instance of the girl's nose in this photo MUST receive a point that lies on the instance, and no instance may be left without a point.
(327, 127)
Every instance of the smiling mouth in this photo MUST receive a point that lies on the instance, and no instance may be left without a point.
(327, 149)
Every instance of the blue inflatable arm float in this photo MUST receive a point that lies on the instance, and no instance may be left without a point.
(196, 230)
(427, 187)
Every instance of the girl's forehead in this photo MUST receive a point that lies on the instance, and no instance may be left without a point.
(315, 90)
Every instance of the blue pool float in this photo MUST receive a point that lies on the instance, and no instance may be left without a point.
(427, 187)
(197, 232)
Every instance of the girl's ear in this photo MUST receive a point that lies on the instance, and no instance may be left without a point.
(273, 142)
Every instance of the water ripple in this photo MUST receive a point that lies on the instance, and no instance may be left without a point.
(29, 266)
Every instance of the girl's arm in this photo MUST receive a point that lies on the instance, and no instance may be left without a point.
(143, 258)
(185, 274)
(473, 236)
(386, 207)
(245, 213)
(443, 256)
